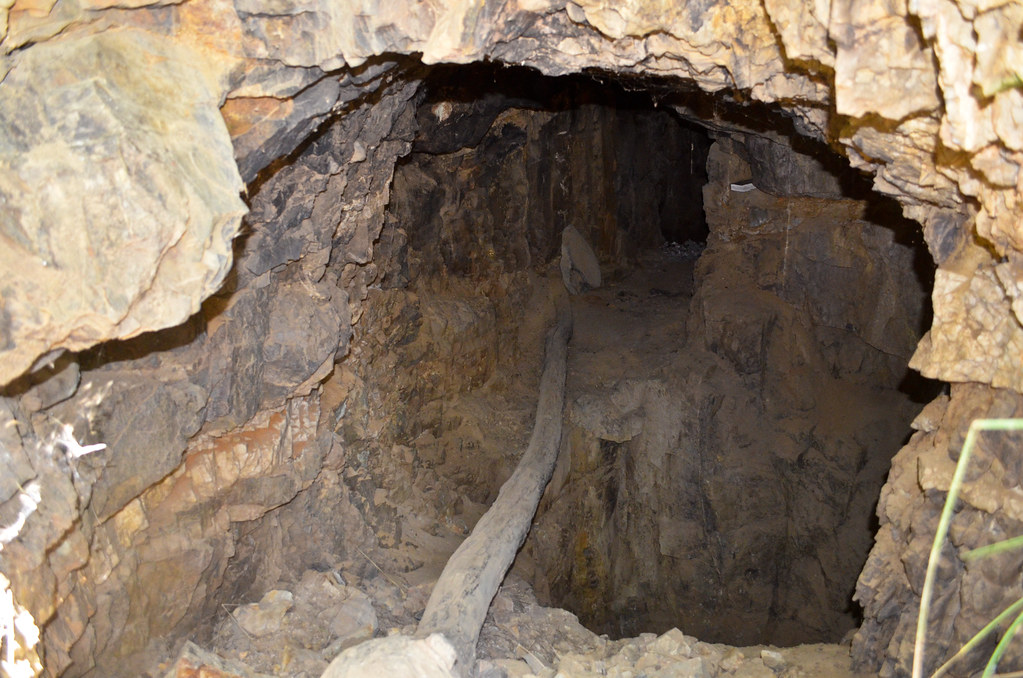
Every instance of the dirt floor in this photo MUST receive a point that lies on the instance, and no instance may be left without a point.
(294, 633)
(310, 617)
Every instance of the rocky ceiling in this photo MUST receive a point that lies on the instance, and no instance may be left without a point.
(132, 132)
(193, 99)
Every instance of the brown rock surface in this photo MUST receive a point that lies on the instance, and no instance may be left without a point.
(967, 596)
(120, 193)
(714, 46)
(120, 184)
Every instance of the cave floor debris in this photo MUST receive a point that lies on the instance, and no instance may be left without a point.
(296, 629)
(520, 638)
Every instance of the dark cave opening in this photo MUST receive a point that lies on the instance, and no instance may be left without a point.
(737, 387)
(732, 411)
(653, 160)
(277, 296)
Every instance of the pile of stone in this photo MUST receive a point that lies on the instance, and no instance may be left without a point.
(294, 634)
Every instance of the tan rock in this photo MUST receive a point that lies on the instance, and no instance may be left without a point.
(975, 335)
(138, 230)
(265, 617)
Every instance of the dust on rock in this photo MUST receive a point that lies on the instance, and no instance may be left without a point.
(330, 612)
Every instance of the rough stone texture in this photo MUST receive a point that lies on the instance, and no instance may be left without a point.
(967, 596)
(206, 428)
(194, 661)
(580, 269)
(787, 265)
(777, 168)
(429, 657)
(586, 165)
(692, 488)
(108, 131)
(884, 79)
(119, 189)
(520, 639)
(972, 300)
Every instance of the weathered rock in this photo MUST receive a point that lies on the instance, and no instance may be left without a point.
(120, 192)
(889, 587)
(195, 661)
(970, 299)
(777, 168)
(265, 617)
(639, 173)
(560, 40)
(145, 417)
(580, 269)
(777, 344)
(430, 657)
(354, 621)
(116, 169)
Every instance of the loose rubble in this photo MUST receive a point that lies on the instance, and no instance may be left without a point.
(520, 639)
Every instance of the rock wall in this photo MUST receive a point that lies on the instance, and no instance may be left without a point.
(968, 594)
(274, 88)
(111, 127)
(440, 389)
(725, 459)
(208, 427)
(563, 152)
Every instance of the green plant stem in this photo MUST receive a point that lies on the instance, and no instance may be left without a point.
(1015, 608)
(994, 549)
(1003, 644)
(942, 532)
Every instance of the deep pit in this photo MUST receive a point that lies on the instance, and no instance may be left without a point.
(289, 465)
(732, 412)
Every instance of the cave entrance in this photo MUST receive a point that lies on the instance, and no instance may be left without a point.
(731, 411)
(537, 154)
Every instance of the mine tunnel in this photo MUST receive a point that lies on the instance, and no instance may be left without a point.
(284, 474)
(732, 408)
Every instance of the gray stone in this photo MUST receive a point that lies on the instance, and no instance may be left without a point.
(780, 169)
(144, 417)
(430, 657)
(772, 659)
(579, 266)
(354, 622)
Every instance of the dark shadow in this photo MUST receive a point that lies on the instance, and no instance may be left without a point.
(460, 103)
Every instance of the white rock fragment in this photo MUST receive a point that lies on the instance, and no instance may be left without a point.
(673, 643)
(507, 668)
(686, 668)
(265, 617)
(772, 659)
(579, 266)
(732, 660)
(430, 657)
(754, 668)
(354, 622)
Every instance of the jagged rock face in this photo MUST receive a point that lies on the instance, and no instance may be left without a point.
(111, 128)
(560, 156)
(238, 385)
(969, 594)
(272, 68)
(725, 455)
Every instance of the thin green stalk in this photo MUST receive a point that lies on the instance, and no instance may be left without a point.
(1002, 646)
(994, 549)
(1015, 608)
(942, 531)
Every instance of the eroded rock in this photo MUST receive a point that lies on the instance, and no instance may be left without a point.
(121, 199)
(580, 269)
(120, 192)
